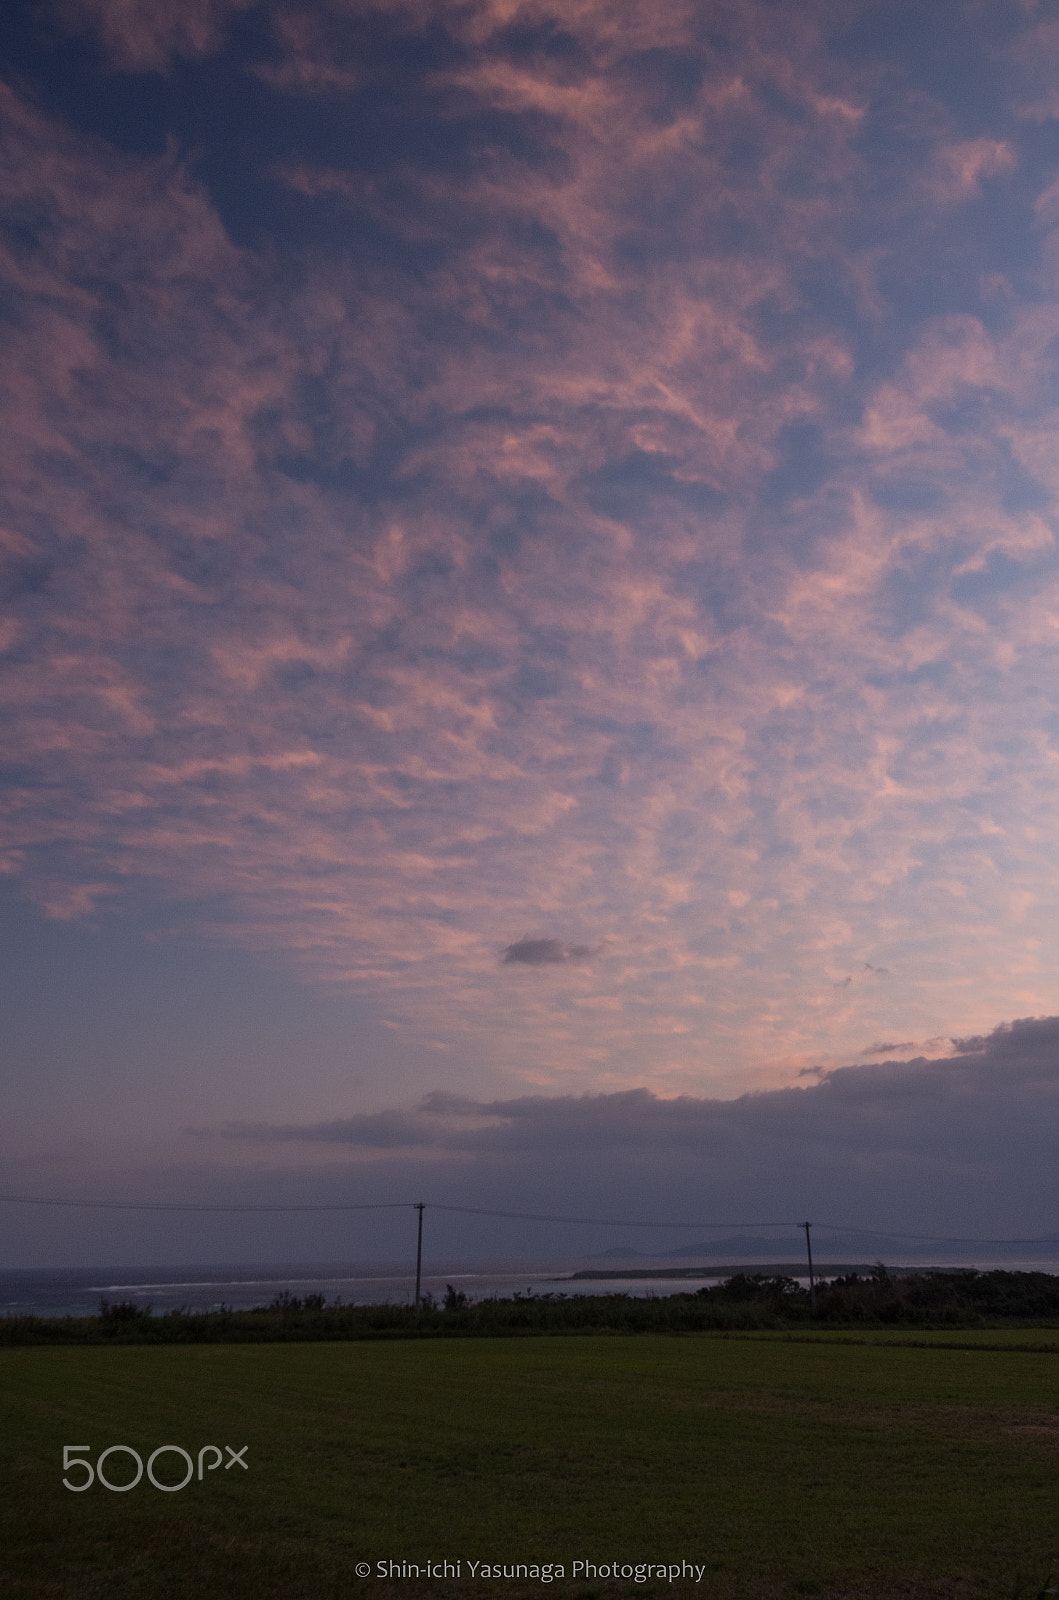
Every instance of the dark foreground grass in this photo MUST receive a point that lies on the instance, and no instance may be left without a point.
(781, 1467)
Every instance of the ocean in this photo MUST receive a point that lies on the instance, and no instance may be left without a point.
(77, 1291)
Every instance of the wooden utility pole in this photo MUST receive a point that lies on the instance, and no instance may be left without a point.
(419, 1204)
(809, 1253)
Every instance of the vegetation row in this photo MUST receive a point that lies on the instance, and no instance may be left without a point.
(958, 1299)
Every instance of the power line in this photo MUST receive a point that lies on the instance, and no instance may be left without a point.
(927, 1238)
(166, 1205)
(603, 1222)
(481, 1211)
(387, 1205)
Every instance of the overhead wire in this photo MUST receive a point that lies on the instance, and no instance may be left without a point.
(481, 1211)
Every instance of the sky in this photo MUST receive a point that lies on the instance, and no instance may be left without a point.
(530, 613)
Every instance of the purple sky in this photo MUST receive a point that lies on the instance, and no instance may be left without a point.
(528, 568)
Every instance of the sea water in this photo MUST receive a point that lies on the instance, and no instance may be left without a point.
(77, 1291)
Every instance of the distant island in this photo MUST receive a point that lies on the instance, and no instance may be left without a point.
(770, 1269)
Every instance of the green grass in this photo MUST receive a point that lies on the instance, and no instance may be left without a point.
(1031, 1338)
(784, 1466)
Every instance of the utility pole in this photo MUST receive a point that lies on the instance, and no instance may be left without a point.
(419, 1204)
(809, 1253)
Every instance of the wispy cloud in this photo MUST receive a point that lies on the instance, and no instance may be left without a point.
(601, 493)
(145, 35)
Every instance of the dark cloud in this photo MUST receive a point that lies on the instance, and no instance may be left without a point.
(962, 1144)
(437, 1120)
(545, 952)
(888, 1049)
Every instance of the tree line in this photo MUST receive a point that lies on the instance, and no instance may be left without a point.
(746, 1301)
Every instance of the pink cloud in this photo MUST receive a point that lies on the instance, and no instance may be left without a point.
(391, 725)
(1033, 55)
(143, 35)
(960, 168)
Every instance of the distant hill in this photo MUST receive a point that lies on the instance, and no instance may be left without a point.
(740, 1246)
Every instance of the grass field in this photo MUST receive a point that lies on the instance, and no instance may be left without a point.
(780, 1467)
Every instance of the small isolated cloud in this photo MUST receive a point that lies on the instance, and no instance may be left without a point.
(866, 971)
(888, 1049)
(545, 952)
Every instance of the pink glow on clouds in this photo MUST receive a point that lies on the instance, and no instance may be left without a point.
(144, 35)
(389, 736)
